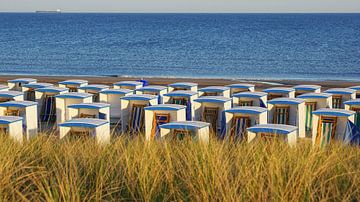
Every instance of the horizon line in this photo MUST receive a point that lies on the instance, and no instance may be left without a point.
(160, 12)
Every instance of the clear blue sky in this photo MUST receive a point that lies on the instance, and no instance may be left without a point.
(182, 5)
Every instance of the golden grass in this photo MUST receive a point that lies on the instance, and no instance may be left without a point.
(47, 169)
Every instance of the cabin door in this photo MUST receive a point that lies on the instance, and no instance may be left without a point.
(182, 134)
(238, 127)
(246, 103)
(12, 112)
(76, 135)
(281, 115)
(210, 115)
(73, 89)
(357, 116)
(210, 94)
(337, 101)
(310, 107)
(48, 110)
(30, 95)
(179, 101)
(273, 96)
(159, 119)
(136, 121)
(326, 130)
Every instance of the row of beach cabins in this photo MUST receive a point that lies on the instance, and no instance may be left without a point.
(179, 111)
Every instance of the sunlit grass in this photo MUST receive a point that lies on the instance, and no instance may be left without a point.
(131, 169)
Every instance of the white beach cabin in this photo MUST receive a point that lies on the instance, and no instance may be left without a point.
(133, 113)
(29, 90)
(211, 109)
(331, 125)
(238, 119)
(93, 89)
(185, 98)
(73, 85)
(357, 89)
(257, 99)
(66, 99)
(113, 96)
(45, 97)
(241, 87)
(314, 101)
(161, 114)
(16, 84)
(341, 95)
(98, 129)
(6, 96)
(288, 111)
(130, 85)
(354, 105)
(182, 130)
(25, 109)
(95, 110)
(279, 92)
(185, 86)
(302, 89)
(153, 90)
(271, 132)
(215, 91)
(12, 127)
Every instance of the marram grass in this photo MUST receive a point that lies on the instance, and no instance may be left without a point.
(47, 169)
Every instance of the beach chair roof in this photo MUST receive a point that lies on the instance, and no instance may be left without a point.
(10, 119)
(117, 91)
(353, 102)
(241, 85)
(10, 94)
(84, 123)
(307, 87)
(273, 128)
(314, 95)
(143, 97)
(22, 80)
(97, 87)
(215, 89)
(279, 90)
(19, 104)
(128, 83)
(333, 112)
(2, 87)
(185, 125)
(250, 95)
(74, 95)
(355, 87)
(247, 110)
(152, 88)
(181, 93)
(37, 85)
(340, 91)
(52, 89)
(73, 82)
(286, 101)
(89, 105)
(183, 85)
(213, 99)
(165, 107)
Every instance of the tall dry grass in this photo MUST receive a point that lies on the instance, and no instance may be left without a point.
(47, 169)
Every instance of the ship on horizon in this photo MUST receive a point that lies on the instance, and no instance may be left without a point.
(49, 11)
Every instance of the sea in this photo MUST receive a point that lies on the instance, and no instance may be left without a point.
(230, 46)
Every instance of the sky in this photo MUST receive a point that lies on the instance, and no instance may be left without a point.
(222, 6)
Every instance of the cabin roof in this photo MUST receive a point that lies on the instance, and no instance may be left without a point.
(97, 87)
(94, 105)
(73, 82)
(84, 123)
(185, 125)
(355, 87)
(353, 102)
(152, 88)
(37, 85)
(247, 110)
(120, 91)
(333, 112)
(10, 119)
(144, 97)
(340, 91)
(52, 89)
(279, 90)
(165, 107)
(213, 99)
(128, 83)
(10, 94)
(241, 85)
(181, 93)
(250, 94)
(19, 104)
(314, 95)
(74, 95)
(307, 87)
(22, 80)
(273, 128)
(183, 84)
(286, 101)
(2, 87)
(216, 89)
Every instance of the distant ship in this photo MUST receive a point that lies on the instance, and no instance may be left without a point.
(55, 11)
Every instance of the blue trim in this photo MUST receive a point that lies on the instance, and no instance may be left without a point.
(52, 90)
(333, 112)
(279, 90)
(9, 119)
(213, 99)
(22, 80)
(143, 97)
(357, 88)
(117, 91)
(94, 87)
(250, 94)
(73, 82)
(10, 94)
(166, 107)
(183, 85)
(273, 128)
(353, 102)
(152, 88)
(185, 125)
(84, 123)
(216, 89)
(18, 104)
(306, 87)
(74, 95)
(247, 110)
(286, 101)
(340, 91)
(89, 106)
(180, 93)
(128, 83)
(241, 86)
(315, 95)
(37, 85)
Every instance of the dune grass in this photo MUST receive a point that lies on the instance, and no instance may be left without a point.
(47, 169)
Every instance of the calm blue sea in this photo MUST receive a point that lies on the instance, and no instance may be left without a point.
(252, 46)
